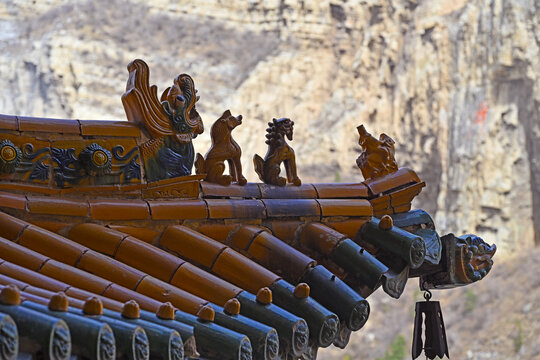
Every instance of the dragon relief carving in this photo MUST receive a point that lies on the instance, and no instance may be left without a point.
(223, 148)
(176, 348)
(377, 157)
(9, 338)
(61, 342)
(278, 152)
(170, 124)
(107, 345)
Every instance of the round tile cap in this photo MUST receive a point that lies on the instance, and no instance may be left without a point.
(131, 310)
(386, 223)
(59, 302)
(264, 296)
(10, 295)
(93, 306)
(165, 311)
(301, 291)
(232, 307)
(206, 313)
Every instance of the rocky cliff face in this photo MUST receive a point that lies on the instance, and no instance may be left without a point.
(454, 82)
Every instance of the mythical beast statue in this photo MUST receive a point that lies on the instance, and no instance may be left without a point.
(224, 148)
(377, 157)
(278, 152)
(170, 124)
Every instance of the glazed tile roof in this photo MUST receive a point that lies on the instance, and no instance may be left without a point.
(108, 249)
(188, 254)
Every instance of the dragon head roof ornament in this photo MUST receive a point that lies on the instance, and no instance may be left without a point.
(175, 115)
(171, 124)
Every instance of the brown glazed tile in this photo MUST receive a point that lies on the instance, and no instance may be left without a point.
(13, 201)
(34, 298)
(203, 284)
(20, 255)
(57, 206)
(147, 258)
(341, 190)
(131, 188)
(347, 227)
(74, 277)
(31, 277)
(177, 180)
(284, 229)
(20, 140)
(320, 238)
(30, 188)
(161, 291)
(48, 294)
(380, 203)
(191, 245)
(292, 207)
(110, 269)
(90, 190)
(79, 303)
(109, 128)
(53, 226)
(6, 280)
(75, 293)
(121, 294)
(142, 233)
(380, 213)
(178, 209)
(119, 210)
(242, 236)
(345, 207)
(96, 237)
(279, 257)
(186, 189)
(406, 195)
(50, 244)
(242, 272)
(402, 208)
(211, 190)
(58, 126)
(80, 294)
(304, 191)
(391, 181)
(216, 231)
(10, 226)
(8, 122)
(235, 209)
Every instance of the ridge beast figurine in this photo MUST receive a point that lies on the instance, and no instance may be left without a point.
(278, 152)
(223, 148)
(108, 240)
(377, 157)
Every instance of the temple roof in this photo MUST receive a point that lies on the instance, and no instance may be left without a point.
(110, 247)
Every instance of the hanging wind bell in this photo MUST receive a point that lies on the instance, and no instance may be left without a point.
(435, 336)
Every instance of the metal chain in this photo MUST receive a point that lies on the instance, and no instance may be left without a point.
(427, 295)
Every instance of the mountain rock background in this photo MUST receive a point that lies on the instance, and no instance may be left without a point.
(454, 82)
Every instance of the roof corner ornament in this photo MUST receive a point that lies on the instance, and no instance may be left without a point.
(170, 124)
(278, 152)
(377, 157)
